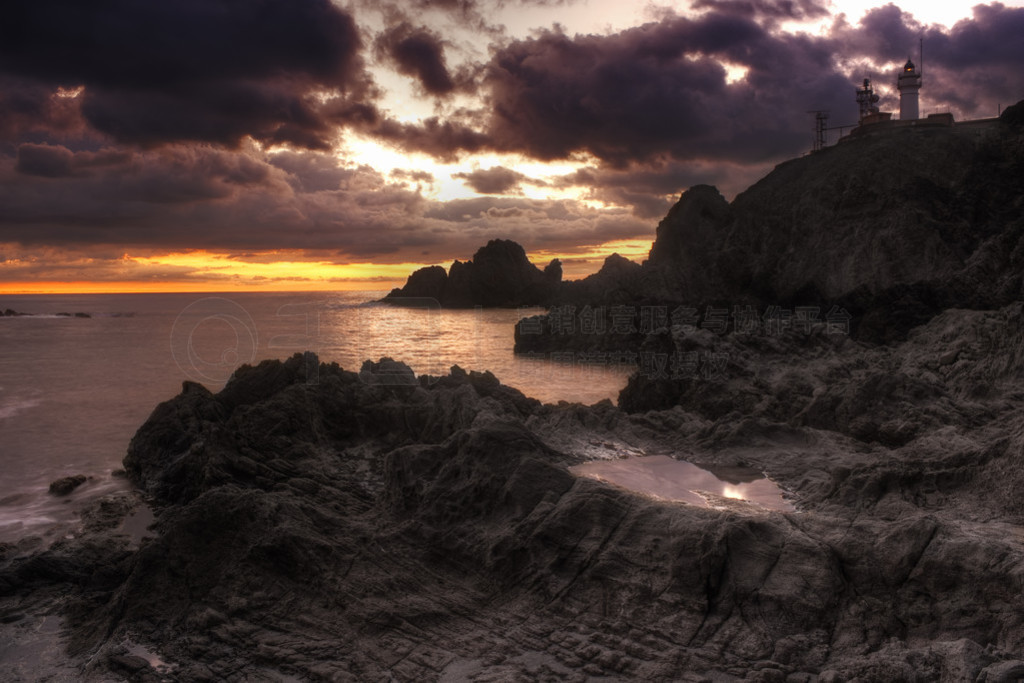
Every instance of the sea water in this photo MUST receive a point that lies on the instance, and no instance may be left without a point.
(73, 390)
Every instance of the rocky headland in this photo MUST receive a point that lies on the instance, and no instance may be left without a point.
(891, 227)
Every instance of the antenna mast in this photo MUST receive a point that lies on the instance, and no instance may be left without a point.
(820, 126)
(867, 100)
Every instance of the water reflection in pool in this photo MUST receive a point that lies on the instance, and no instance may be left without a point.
(677, 480)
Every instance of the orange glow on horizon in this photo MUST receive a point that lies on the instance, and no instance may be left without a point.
(89, 287)
(202, 271)
(578, 265)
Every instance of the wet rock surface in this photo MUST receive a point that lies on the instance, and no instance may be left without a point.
(65, 485)
(320, 524)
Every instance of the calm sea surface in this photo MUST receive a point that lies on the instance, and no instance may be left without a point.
(74, 390)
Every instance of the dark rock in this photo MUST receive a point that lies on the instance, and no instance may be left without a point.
(66, 485)
(426, 282)
(388, 372)
(499, 275)
(1003, 672)
(553, 272)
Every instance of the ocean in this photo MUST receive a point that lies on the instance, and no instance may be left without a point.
(73, 390)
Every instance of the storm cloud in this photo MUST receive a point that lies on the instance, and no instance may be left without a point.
(204, 70)
(496, 180)
(418, 52)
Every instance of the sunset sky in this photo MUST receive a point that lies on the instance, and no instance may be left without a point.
(186, 145)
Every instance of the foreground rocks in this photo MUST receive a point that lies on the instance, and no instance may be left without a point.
(329, 525)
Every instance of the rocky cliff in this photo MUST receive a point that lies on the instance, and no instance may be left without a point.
(320, 524)
(892, 226)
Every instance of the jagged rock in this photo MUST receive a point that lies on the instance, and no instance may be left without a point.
(65, 485)
(553, 272)
(387, 372)
(619, 281)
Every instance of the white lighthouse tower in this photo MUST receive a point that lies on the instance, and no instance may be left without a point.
(909, 83)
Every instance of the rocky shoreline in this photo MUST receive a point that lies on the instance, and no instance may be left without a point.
(318, 524)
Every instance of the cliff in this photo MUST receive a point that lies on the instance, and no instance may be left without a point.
(892, 228)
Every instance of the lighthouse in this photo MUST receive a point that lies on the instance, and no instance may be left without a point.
(909, 83)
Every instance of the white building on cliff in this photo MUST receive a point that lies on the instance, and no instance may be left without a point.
(909, 84)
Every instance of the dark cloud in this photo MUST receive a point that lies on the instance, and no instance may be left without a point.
(32, 110)
(312, 172)
(46, 161)
(419, 53)
(496, 180)
(553, 225)
(649, 190)
(772, 9)
(886, 33)
(443, 139)
(415, 176)
(660, 90)
(208, 70)
(200, 197)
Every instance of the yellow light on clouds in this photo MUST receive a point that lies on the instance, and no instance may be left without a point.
(579, 264)
(446, 186)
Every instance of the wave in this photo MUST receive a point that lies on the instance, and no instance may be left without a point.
(12, 407)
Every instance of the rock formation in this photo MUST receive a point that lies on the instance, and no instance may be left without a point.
(323, 524)
(499, 275)
(65, 485)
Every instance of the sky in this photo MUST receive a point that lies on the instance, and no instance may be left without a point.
(219, 145)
